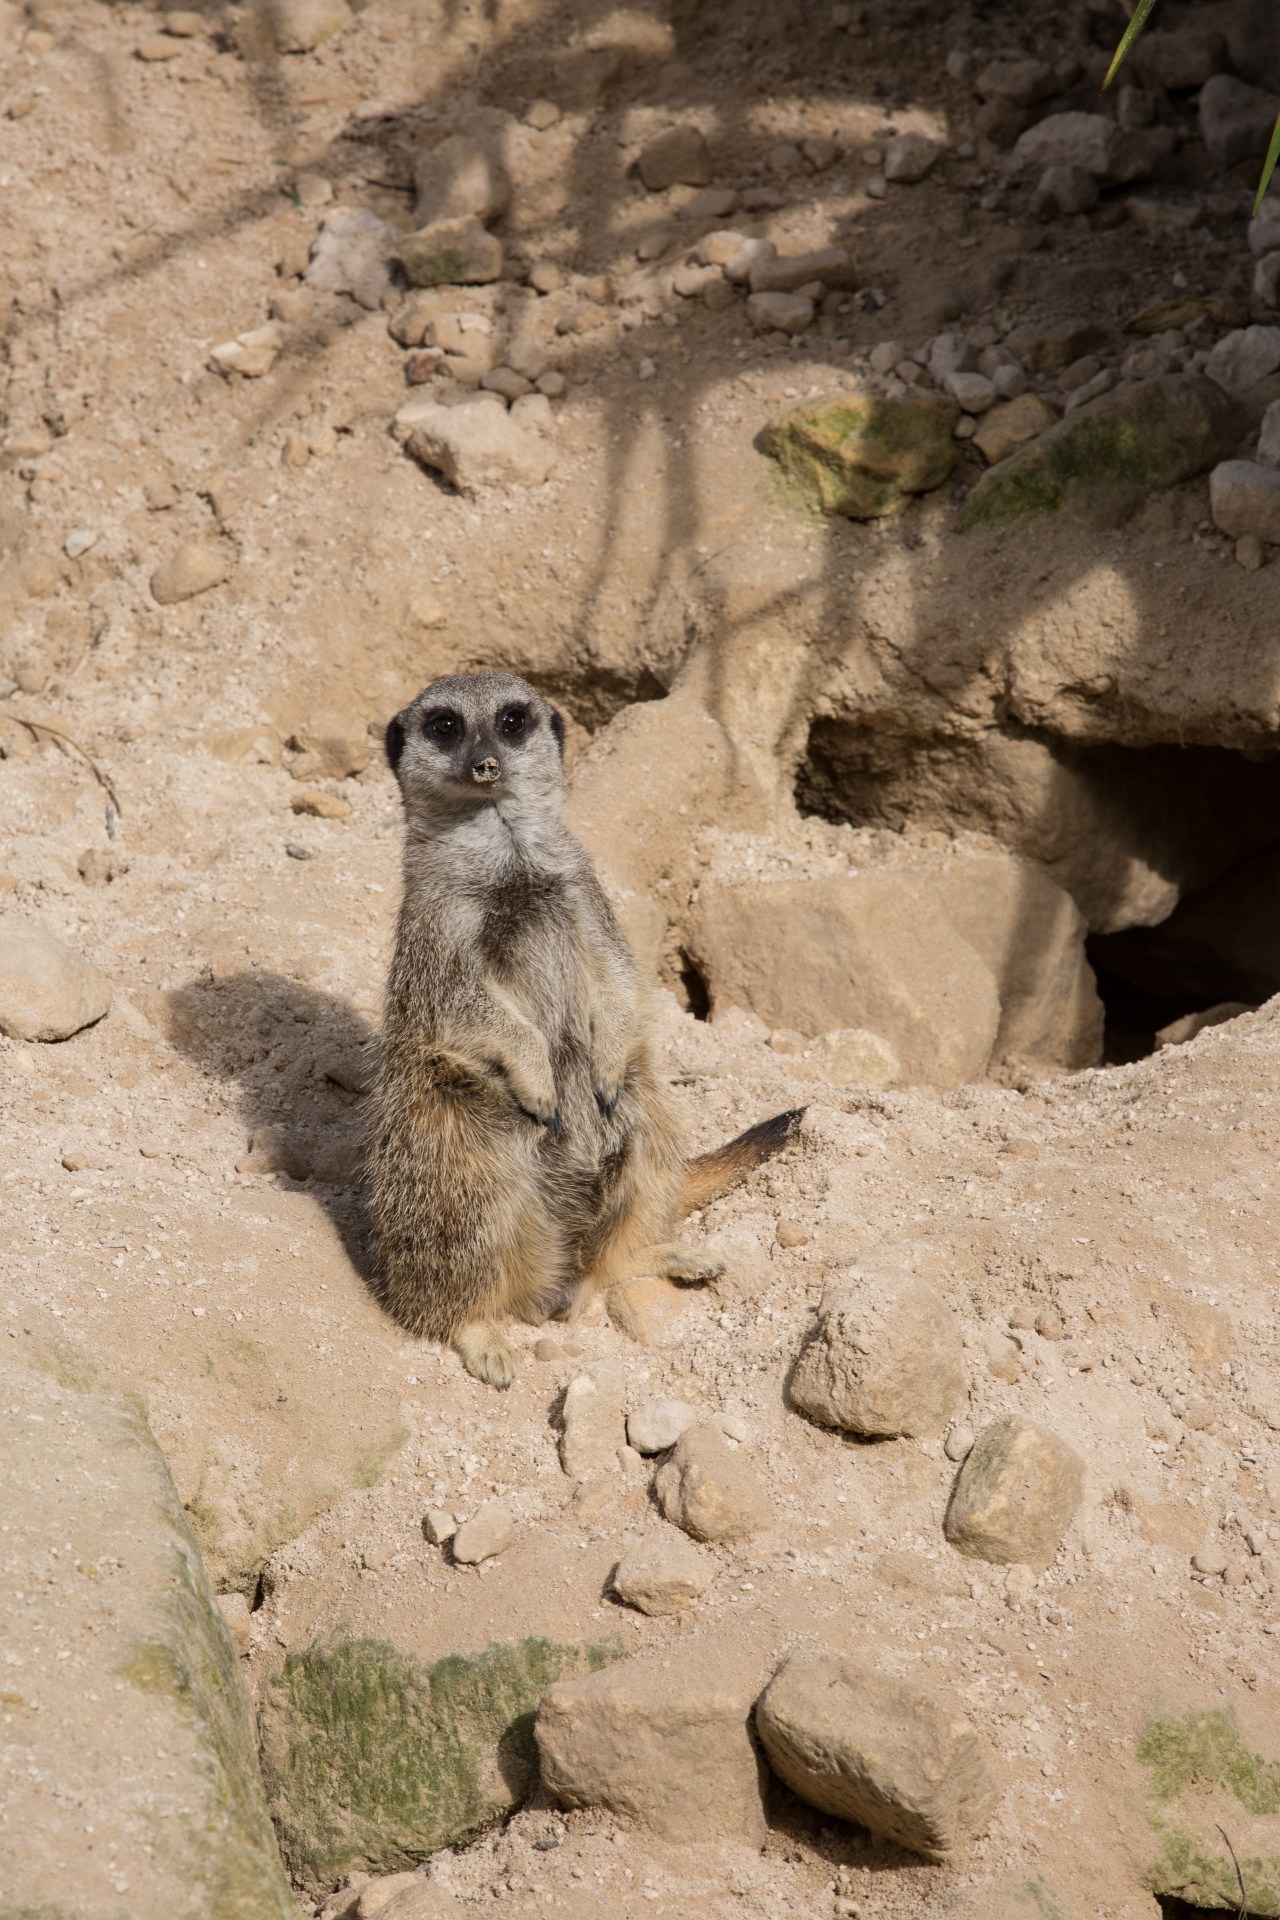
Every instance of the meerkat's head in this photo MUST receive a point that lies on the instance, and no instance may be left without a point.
(474, 740)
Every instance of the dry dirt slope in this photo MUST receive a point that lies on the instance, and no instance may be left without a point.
(157, 207)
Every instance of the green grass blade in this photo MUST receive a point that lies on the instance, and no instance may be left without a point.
(1131, 32)
(1269, 166)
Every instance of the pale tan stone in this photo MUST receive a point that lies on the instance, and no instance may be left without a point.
(877, 1751)
(710, 1490)
(1016, 1494)
(665, 1741)
(885, 1359)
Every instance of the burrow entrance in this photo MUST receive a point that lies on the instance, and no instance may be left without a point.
(1171, 853)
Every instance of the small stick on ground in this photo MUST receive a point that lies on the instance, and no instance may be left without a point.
(37, 727)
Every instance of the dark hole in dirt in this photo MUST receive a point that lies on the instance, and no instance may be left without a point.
(594, 700)
(1172, 854)
(1171, 1908)
(697, 998)
(1133, 1016)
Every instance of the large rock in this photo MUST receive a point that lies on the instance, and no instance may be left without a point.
(861, 456)
(663, 1575)
(462, 177)
(352, 253)
(452, 253)
(47, 992)
(876, 1751)
(1235, 119)
(128, 1703)
(475, 446)
(871, 950)
(711, 1491)
(1016, 1494)
(885, 1359)
(1245, 498)
(620, 789)
(1111, 153)
(1031, 935)
(1243, 357)
(372, 1761)
(664, 1741)
(1104, 458)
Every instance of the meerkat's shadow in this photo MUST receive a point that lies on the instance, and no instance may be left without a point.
(300, 1060)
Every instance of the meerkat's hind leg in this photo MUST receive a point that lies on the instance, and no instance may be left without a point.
(675, 1262)
(486, 1353)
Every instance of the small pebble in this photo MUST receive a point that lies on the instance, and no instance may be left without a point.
(547, 1349)
(792, 1233)
(438, 1526)
(541, 115)
(958, 1444)
(295, 852)
(658, 1424)
(79, 541)
(1209, 1560)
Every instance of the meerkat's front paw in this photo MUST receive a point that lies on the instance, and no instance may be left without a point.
(485, 1353)
(685, 1263)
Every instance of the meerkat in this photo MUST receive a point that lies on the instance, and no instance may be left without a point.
(522, 1151)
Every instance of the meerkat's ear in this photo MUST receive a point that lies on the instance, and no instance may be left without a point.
(557, 727)
(394, 741)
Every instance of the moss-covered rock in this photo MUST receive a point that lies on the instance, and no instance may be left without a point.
(372, 1760)
(132, 1697)
(854, 454)
(1103, 460)
(1206, 1783)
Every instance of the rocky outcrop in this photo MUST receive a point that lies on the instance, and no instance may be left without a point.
(163, 1764)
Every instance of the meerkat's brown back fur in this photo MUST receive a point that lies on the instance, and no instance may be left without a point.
(522, 1149)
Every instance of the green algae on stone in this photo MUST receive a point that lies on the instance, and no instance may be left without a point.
(1103, 460)
(854, 454)
(1200, 1756)
(372, 1760)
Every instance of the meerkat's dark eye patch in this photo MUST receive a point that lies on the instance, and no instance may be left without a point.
(515, 722)
(443, 726)
(394, 740)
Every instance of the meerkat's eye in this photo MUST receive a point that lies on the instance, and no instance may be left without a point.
(444, 727)
(513, 721)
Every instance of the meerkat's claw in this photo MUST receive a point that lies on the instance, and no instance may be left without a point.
(607, 1100)
(551, 1121)
(485, 1353)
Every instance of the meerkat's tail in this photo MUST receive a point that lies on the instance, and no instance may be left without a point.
(713, 1173)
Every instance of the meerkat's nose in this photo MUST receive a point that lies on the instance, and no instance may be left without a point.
(485, 771)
